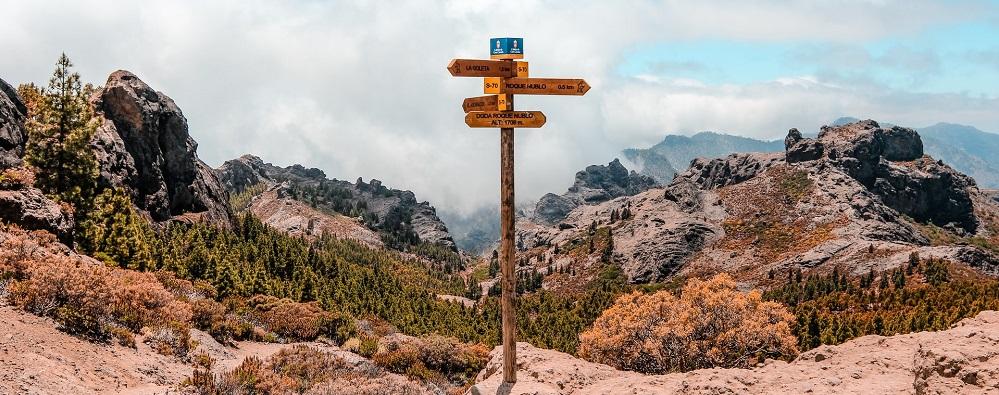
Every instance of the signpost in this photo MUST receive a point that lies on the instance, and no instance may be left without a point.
(486, 103)
(486, 68)
(503, 79)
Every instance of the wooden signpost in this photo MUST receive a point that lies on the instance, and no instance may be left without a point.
(486, 103)
(536, 86)
(504, 78)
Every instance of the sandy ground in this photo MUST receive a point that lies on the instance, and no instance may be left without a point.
(37, 358)
(961, 360)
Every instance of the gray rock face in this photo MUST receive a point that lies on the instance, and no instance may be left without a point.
(30, 209)
(890, 163)
(733, 169)
(593, 185)
(12, 133)
(144, 147)
(238, 174)
(670, 248)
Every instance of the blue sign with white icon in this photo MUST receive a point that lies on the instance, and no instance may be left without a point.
(506, 46)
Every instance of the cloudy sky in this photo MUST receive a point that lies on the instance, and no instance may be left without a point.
(360, 88)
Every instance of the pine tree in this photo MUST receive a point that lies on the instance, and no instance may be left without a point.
(58, 146)
(115, 233)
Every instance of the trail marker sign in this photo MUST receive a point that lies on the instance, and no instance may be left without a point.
(486, 103)
(505, 119)
(502, 79)
(506, 48)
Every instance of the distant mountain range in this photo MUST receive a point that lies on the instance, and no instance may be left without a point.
(966, 148)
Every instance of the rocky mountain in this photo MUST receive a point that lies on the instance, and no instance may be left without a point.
(12, 133)
(674, 153)
(144, 147)
(595, 184)
(21, 204)
(858, 196)
(966, 148)
(395, 213)
(961, 360)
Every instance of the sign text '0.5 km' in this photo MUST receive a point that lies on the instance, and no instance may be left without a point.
(505, 119)
(536, 86)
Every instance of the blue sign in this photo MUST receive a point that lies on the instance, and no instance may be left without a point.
(506, 46)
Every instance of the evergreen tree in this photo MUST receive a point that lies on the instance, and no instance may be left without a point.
(115, 233)
(58, 146)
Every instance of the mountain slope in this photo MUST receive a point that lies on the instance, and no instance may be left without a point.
(858, 197)
(396, 214)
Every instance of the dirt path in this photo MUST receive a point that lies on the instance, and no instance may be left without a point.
(36, 358)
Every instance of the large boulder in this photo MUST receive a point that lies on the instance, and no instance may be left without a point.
(144, 147)
(30, 209)
(12, 132)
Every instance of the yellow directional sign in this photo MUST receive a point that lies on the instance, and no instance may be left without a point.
(536, 86)
(486, 103)
(505, 119)
(486, 68)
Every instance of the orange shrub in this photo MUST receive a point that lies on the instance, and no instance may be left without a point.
(300, 321)
(442, 360)
(711, 324)
(16, 178)
(85, 297)
(296, 370)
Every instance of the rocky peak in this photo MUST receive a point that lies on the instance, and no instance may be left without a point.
(12, 133)
(595, 184)
(143, 146)
(890, 163)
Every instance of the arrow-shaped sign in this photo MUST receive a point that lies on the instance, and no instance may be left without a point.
(505, 119)
(486, 68)
(486, 103)
(536, 86)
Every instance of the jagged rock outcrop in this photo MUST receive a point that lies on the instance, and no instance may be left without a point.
(239, 174)
(595, 184)
(144, 147)
(960, 360)
(890, 163)
(12, 133)
(732, 169)
(30, 209)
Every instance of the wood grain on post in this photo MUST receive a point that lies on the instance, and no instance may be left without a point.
(507, 254)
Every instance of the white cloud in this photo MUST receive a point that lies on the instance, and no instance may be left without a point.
(360, 89)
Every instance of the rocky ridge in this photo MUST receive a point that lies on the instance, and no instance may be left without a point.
(963, 359)
(595, 184)
(858, 197)
(238, 175)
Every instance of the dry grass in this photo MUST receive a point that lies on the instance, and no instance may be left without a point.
(298, 370)
(765, 215)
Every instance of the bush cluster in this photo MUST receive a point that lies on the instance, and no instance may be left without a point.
(710, 324)
(299, 370)
(438, 359)
(88, 298)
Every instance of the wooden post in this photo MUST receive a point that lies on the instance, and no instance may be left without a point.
(506, 255)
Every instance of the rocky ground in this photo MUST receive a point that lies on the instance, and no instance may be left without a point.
(961, 360)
